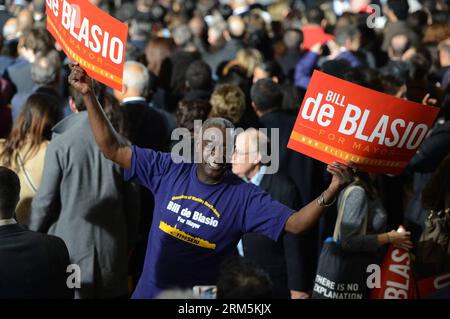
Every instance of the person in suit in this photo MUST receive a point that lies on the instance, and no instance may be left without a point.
(234, 36)
(83, 199)
(149, 126)
(279, 259)
(306, 172)
(293, 40)
(45, 71)
(32, 265)
(34, 42)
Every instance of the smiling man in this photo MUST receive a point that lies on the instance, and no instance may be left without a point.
(201, 209)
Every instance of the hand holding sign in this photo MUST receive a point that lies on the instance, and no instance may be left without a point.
(79, 79)
(341, 121)
(91, 37)
(342, 176)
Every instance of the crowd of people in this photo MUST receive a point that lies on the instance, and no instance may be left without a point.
(87, 176)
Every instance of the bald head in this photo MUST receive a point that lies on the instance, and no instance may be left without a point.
(10, 29)
(25, 20)
(236, 27)
(399, 45)
(135, 81)
(250, 150)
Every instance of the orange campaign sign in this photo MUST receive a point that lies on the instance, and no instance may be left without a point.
(341, 121)
(91, 37)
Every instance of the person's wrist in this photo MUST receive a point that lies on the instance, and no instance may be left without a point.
(389, 238)
(326, 199)
(331, 191)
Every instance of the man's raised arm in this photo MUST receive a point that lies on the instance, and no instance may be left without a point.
(112, 145)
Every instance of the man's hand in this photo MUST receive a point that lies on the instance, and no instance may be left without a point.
(79, 79)
(342, 176)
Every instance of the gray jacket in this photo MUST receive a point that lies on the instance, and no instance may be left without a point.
(83, 200)
(358, 206)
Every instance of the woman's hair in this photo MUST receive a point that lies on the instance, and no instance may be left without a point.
(364, 180)
(189, 111)
(247, 59)
(157, 53)
(33, 125)
(228, 101)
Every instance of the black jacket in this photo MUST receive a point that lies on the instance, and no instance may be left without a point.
(270, 255)
(32, 265)
(147, 127)
(308, 176)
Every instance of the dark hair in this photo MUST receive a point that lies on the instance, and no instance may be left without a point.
(189, 111)
(315, 15)
(417, 21)
(400, 8)
(356, 76)
(445, 108)
(34, 125)
(9, 192)
(346, 32)
(390, 84)
(293, 38)
(157, 53)
(420, 65)
(198, 76)
(336, 68)
(266, 95)
(240, 278)
(273, 69)
(436, 193)
(38, 39)
(261, 41)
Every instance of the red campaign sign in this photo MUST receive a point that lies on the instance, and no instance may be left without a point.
(397, 280)
(91, 37)
(341, 121)
(432, 284)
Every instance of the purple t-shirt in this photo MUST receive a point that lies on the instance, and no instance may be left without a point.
(196, 225)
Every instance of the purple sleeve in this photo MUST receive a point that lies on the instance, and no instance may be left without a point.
(147, 167)
(304, 69)
(265, 215)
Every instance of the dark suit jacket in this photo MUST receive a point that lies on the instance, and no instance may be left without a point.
(288, 63)
(147, 126)
(33, 265)
(307, 175)
(19, 74)
(265, 252)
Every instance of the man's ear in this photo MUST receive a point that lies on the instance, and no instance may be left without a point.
(226, 35)
(72, 105)
(258, 158)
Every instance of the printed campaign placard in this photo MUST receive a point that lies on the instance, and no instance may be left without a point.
(91, 37)
(341, 121)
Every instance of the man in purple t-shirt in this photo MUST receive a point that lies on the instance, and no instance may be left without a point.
(201, 210)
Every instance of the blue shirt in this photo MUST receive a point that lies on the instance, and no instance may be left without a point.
(196, 225)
